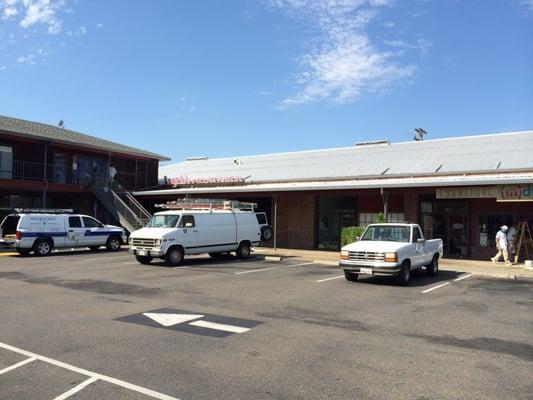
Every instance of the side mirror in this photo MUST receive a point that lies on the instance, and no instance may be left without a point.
(188, 225)
(421, 241)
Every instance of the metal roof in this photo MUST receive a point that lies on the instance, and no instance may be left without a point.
(492, 153)
(369, 183)
(37, 130)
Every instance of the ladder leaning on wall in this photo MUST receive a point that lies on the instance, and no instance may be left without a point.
(525, 241)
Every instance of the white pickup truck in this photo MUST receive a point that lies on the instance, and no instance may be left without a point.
(391, 250)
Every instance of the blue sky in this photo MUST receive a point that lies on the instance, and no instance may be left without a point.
(219, 78)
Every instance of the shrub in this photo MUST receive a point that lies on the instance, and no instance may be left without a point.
(380, 219)
(350, 234)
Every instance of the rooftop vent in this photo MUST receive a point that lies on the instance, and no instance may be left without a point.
(374, 143)
(203, 158)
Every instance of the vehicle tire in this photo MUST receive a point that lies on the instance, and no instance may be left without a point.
(174, 256)
(244, 251)
(266, 233)
(433, 268)
(350, 276)
(43, 247)
(144, 259)
(94, 248)
(405, 273)
(113, 243)
(23, 252)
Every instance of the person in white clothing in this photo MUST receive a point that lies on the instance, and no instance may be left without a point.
(501, 245)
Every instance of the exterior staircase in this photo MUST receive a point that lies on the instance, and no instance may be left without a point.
(121, 204)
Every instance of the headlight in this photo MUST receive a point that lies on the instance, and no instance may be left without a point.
(344, 254)
(391, 257)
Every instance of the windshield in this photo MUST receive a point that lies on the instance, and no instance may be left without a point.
(163, 221)
(387, 233)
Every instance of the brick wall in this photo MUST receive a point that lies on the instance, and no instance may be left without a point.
(296, 225)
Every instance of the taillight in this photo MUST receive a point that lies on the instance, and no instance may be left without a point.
(18, 235)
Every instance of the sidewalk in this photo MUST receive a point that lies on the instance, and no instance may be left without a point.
(485, 269)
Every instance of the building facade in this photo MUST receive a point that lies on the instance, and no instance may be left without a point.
(459, 189)
(44, 166)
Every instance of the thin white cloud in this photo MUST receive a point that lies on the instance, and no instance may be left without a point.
(527, 3)
(26, 59)
(32, 12)
(9, 12)
(99, 25)
(343, 63)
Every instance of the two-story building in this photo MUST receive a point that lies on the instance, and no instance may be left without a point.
(45, 166)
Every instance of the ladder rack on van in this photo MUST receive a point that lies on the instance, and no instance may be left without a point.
(208, 204)
(44, 210)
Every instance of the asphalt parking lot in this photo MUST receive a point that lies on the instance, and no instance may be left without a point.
(83, 325)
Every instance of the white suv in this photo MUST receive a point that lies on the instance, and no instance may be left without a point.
(41, 232)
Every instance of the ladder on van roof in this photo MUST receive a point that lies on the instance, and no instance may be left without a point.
(208, 204)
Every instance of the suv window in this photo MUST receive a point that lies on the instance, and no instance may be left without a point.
(187, 219)
(89, 222)
(74, 222)
(9, 225)
(261, 218)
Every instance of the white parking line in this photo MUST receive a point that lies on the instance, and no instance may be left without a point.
(435, 287)
(271, 268)
(256, 270)
(106, 258)
(76, 389)
(118, 382)
(219, 327)
(329, 279)
(300, 265)
(19, 364)
(462, 277)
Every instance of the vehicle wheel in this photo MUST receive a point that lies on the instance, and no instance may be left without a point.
(42, 247)
(405, 274)
(113, 243)
(174, 256)
(266, 233)
(23, 252)
(144, 259)
(94, 248)
(433, 268)
(244, 250)
(350, 276)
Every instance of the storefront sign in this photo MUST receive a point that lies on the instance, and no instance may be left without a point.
(469, 192)
(185, 180)
(515, 193)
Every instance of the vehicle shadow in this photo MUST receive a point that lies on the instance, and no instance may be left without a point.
(224, 260)
(418, 278)
(64, 253)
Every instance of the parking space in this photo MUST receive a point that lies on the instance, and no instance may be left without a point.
(251, 329)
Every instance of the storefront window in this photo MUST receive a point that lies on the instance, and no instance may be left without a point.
(334, 214)
(371, 218)
(489, 225)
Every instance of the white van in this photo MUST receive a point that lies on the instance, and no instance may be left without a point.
(42, 232)
(171, 235)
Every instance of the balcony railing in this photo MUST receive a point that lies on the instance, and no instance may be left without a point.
(35, 171)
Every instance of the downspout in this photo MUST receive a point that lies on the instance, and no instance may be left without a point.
(275, 222)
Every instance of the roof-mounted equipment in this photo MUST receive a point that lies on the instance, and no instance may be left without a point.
(208, 204)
